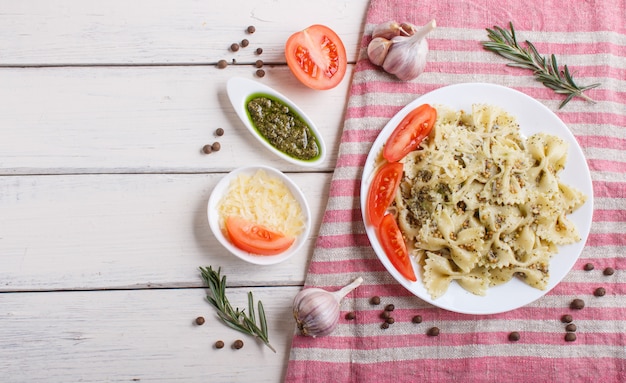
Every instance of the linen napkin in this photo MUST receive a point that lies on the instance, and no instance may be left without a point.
(590, 37)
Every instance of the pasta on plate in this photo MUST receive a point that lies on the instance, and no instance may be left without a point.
(480, 204)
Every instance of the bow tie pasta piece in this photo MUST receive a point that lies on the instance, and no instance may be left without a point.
(553, 224)
(535, 275)
(548, 150)
(439, 273)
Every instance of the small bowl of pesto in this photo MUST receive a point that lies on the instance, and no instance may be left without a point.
(279, 124)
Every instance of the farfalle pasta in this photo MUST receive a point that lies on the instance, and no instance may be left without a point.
(479, 204)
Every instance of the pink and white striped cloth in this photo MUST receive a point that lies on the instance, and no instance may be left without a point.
(588, 36)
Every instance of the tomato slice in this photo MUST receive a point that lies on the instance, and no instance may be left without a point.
(410, 132)
(382, 190)
(391, 239)
(317, 57)
(256, 239)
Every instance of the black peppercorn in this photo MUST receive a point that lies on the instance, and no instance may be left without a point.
(570, 337)
(222, 64)
(577, 304)
(514, 336)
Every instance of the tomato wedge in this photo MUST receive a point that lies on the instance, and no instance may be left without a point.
(382, 191)
(410, 132)
(257, 239)
(391, 239)
(317, 57)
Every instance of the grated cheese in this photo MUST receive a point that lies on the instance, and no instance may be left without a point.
(264, 200)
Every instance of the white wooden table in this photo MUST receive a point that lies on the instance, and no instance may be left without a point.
(104, 109)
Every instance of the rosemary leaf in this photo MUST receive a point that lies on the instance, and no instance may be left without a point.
(504, 43)
(555, 68)
(233, 317)
(568, 76)
(251, 307)
(262, 318)
(567, 100)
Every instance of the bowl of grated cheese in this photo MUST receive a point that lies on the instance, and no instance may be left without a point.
(259, 214)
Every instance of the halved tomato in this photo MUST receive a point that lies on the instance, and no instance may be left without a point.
(317, 57)
(256, 239)
(391, 240)
(382, 191)
(410, 132)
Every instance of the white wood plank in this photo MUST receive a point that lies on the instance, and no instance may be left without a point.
(104, 106)
(89, 32)
(138, 335)
(127, 231)
(143, 119)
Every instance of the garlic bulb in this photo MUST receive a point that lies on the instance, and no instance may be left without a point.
(317, 311)
(403, 55)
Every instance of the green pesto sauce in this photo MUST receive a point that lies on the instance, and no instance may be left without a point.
(282, 128)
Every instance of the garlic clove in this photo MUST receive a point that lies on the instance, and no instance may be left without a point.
(316, 310)
(391, 29)
(387, 30)
(377, 50)
(406, 58)
(408, 29)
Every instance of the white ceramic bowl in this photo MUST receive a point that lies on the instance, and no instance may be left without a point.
(533, 117)
(240, 90)
(212, 212)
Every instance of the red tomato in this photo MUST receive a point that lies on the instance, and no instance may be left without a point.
(382, 191)
(317, 57)
(256, 239)
(410, 132)
(391, 239)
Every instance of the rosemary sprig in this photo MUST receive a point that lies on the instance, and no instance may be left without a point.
(234, 317)
(505, 44)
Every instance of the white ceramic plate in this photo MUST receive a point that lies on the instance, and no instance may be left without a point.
(212, 212)
(533, 117)
(240, 91)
